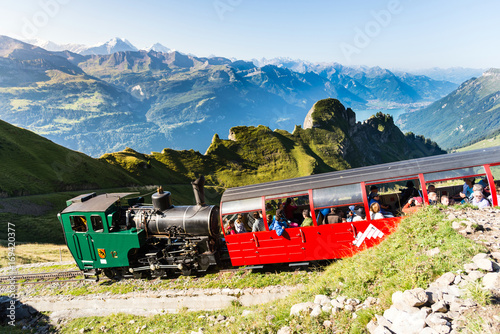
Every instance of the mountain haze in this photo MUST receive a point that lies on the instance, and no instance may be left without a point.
(150, 100)
(468, 114)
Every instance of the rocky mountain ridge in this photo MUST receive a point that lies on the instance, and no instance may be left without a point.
(152, 100)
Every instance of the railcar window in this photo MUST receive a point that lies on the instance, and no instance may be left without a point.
(243, 222)
(495, 170)
(242, 205)
(454, 173)
(336, 196)
(97, 225)
(292, 205)
(78, 223)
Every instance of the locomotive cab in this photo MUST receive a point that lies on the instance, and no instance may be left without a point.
(138, 239)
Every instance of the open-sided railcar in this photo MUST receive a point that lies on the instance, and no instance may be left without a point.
(339, 190)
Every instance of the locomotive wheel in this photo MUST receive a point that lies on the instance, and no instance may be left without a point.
(186, 272)
(111, 273)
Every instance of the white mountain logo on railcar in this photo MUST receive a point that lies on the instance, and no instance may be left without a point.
(370, 232)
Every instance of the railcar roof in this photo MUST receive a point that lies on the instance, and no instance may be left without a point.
(393, 170)
(99, 203)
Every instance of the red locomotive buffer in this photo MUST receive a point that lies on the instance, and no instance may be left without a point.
(323, 216)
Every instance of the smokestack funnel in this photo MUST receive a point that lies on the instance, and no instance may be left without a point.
(199, 190)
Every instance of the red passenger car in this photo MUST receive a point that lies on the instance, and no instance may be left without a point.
(338, 191)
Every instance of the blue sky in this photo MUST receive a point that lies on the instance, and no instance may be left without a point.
(405, 34)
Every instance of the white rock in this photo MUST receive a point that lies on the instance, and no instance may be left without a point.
(435, 319)
(371, 326)
(457, 279)
(474, 276)
(326, 308)
(341, 299)
(496, 256)
(440, 306)
(446, 279)
(322, 300)
(285, 330)
(382, 330)
(327, 324)
(297, 309)
(382, 321)
(491, 281)
(392, 313)
(429, 330)
(336, 304)
(399, 301)
(246, 312)
(480, 256)
(409, 323)
(484, 264)
(470, 267)
(349, 308)
(316, 312)
(433, 252)
(415, 297)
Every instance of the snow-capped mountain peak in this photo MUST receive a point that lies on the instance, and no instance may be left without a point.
(158, 48)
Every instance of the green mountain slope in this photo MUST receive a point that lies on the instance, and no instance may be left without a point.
(464, 116)
(330, 140)
(32, 164)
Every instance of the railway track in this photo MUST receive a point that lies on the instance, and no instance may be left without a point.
(69, 276)
(32, 278)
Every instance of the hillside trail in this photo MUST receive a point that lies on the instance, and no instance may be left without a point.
(483, 227)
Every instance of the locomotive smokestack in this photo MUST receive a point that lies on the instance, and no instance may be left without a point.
(199, 190)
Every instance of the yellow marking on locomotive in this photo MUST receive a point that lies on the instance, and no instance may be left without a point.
(101, 252)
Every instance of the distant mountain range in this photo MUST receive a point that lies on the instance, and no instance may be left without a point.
(466, 115)
(111, 96)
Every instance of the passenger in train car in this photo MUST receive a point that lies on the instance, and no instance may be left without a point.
(307, 218)
(350, 213)
(490, 198)
(279, 223)
(258, 224)
(239, 225)
(375, 212)
(335, 216)
(409, 192)
(270, 209)
(359, 214)
(479, 200)
(445, 200)
(230, 227)
(383, 208)
(433, 199)
(413, 205)
(466, 192)
(373, 192)
(322, 214)
(431, 188)
(289, 208)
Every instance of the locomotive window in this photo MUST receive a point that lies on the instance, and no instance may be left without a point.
(251, 204)
(454, 174)
(336, 196)
(78, 223)
(97, 225)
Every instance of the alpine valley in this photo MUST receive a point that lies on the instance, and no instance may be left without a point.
(107, 97)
